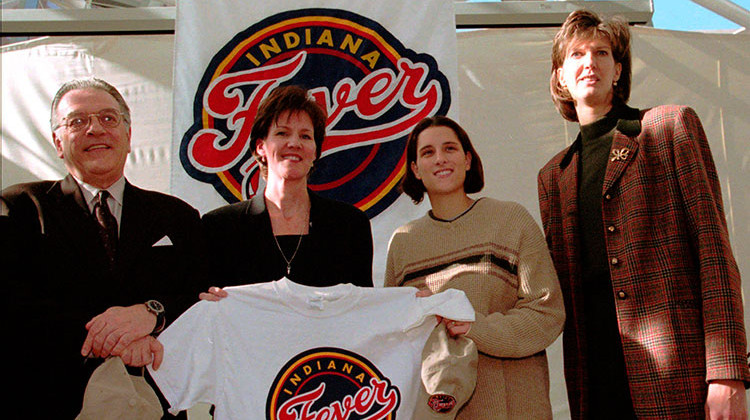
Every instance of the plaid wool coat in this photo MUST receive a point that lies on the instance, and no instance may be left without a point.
(675, 282)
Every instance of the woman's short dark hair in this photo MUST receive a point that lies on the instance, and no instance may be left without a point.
(584, 24)
(412, 186)
(283, 99)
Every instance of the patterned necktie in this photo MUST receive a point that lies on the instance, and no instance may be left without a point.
(107, 224)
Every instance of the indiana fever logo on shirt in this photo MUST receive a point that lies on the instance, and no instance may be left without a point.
(331, 383)
(373, 88)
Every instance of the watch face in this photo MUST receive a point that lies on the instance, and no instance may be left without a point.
(156, 306)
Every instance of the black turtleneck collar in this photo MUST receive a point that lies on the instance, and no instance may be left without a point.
(601, 126)
(626, 119)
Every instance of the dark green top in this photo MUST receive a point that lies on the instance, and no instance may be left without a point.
(596, 142)
(607, 379)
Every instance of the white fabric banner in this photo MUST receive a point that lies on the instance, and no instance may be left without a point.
(377, 68)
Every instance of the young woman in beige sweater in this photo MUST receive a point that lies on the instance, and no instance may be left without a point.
(495, 252)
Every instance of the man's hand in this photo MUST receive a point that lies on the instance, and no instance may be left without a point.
(147, 350)
(113, 330)
(726, 400)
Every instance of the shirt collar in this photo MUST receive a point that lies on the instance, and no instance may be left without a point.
(116, 191)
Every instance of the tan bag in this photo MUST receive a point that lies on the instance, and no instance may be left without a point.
(113, 394)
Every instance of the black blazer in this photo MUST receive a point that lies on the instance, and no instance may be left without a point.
(338, 248)
(56, 272)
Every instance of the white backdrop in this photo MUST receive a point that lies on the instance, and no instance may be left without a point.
(504, 105)
(197, 41)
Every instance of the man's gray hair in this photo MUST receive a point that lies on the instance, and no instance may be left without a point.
(88, 83)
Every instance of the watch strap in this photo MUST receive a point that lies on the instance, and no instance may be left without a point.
(156, 308)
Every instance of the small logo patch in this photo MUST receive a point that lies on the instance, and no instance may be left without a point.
(441, 403)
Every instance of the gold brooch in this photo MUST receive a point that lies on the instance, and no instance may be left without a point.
(619, 154)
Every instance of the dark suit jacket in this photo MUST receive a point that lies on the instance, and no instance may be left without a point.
(57, 278)
(675, 282)
(337, 250)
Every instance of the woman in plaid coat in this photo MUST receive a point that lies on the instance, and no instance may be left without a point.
(634, 219)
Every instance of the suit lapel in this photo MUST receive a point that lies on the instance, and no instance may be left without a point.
(255, 214)
(569, 188)
(72, 191)
(137, 230)
(624, 148)
(71, 216)
(71, 209)
(623, 153)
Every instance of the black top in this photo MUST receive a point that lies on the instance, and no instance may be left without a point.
(337, 249)
(596, 142)
(610, 394)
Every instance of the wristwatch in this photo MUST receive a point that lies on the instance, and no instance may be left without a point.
(156, 308)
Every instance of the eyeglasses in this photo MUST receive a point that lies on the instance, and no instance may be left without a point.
(78, 122)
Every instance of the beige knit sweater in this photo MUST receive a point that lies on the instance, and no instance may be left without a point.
(496, 254)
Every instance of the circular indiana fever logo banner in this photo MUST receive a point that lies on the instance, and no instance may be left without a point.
(373, 88)
(331, 383)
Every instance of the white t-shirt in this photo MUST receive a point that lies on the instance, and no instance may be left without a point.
(285, 351)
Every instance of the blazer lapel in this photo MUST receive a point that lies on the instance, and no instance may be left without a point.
(568, 187)
(568, 182)
(624, 148)
(73, 218)
(256, 205)
(568, 190)
(72, 210)
(255, 208)
(137, 231)
(72, 191)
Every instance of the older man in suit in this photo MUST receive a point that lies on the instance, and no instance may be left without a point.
(93, 265)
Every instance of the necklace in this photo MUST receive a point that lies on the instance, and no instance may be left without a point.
(288, 260)
(299, 242)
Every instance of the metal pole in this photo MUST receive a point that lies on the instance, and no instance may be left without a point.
(727, 9)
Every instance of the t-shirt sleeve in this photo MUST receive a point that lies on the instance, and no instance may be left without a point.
(188, 375)
(451, 304)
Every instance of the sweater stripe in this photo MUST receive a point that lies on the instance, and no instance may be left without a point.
(471, 259)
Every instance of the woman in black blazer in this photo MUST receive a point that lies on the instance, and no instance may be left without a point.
(287, 230)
